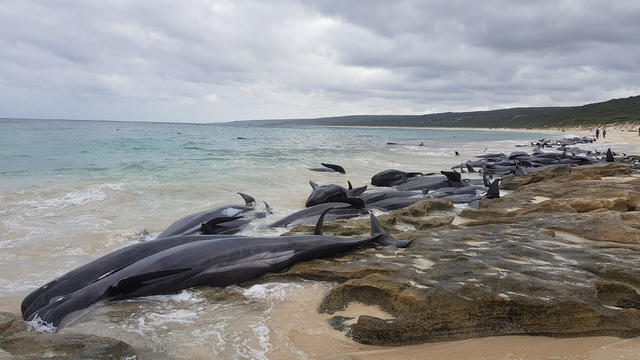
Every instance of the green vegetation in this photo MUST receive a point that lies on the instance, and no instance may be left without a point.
(616, 111)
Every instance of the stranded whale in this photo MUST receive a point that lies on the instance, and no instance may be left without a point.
(217, 261)
(193, 224)
(329, 168)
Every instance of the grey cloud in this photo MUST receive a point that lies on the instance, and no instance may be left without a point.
(206, 60)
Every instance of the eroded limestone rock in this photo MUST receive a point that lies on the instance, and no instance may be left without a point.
(66, 345)
(21, 342)
(559, 256)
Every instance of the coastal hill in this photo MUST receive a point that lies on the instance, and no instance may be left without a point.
(611, 112)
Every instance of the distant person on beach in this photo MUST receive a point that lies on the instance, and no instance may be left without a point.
(604, 133)
(597, 133)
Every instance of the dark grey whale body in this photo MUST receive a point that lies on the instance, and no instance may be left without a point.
(392, 177)
(334, 193)
(100, 268)
(191, 224)
(329, 168)
(311, 214)
(214, 262)
(217, 221)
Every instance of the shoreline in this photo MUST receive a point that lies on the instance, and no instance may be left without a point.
(626, 135)
(523, 346)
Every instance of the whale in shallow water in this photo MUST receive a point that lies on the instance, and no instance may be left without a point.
(392, 177)
(100, 268)
(311, 214)
(198, 222)
(329, 168)
(334, 193)
(214, 262)
(215, 222)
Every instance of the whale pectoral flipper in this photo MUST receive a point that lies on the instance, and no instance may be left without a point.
(109, 273)
(130, 284)
(208, 228)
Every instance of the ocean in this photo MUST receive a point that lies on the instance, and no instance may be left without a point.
(71, 191)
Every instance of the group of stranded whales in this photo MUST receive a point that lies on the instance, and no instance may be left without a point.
(203, 248)
(169, 265)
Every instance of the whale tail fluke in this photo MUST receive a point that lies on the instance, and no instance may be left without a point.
(494, 190)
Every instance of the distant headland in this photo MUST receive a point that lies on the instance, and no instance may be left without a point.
(615, 112)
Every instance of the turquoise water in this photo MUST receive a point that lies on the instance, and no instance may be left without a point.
(71, 191)
(36, 151)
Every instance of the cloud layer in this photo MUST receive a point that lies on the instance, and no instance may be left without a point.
(208, 61)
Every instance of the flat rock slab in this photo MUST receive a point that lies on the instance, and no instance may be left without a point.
(564, 266)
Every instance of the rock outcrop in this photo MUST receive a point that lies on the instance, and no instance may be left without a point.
(19, 339)
(558, 256)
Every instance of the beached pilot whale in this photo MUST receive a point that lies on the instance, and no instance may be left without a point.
(216, 223)
(311, 214)
(208, 219)
(392, 177)
(101, 268)
(334, 193)
(215, 262)
(329, 168)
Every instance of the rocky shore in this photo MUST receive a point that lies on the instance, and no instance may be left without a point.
(558, 257)
(18, 340)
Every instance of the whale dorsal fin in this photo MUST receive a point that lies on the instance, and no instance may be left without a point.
(485, 180)
(609, 157)
(452, 176)
(318, 229)
(357, 191)
(313, 185)
(268, 208)
(247, 199)
(349, 183)
(381, 236)
(470, 168)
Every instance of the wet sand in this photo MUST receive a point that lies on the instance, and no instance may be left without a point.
(297, 322)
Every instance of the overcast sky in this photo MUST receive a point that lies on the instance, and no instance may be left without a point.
(209, 61)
